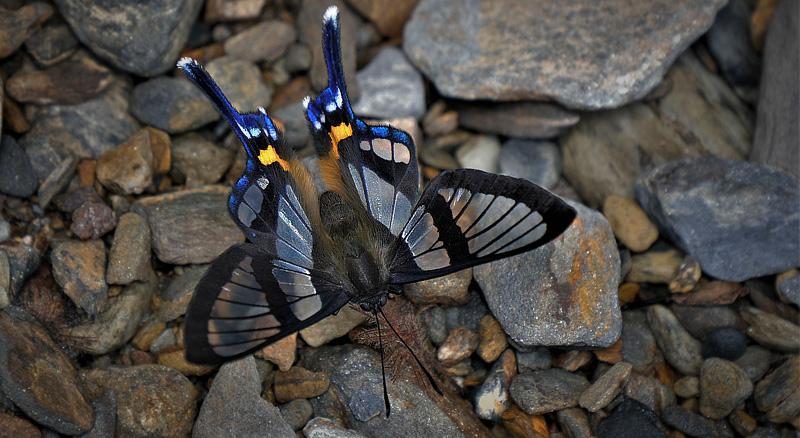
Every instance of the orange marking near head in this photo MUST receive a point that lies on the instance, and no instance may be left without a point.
(337, 134)
(268, 156)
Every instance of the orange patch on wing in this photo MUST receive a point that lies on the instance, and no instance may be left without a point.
(337, 134)
(268, 156)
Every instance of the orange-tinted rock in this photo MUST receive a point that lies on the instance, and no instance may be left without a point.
(449, 290)
(281, 353)
(630, 223)
(491, 339)
(299, 383)
(69, 82)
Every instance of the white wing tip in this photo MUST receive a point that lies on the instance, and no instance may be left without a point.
(331, 14)
(306, 101)
(186, 61)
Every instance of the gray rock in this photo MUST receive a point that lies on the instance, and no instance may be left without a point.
(241, 82)
(23, 260)
(688, 422)
(681, 350)
(266, 41)
(707, 205)
(390, 87)
(789, 289)
(650, 391)
(297, 412)
(729, 41)
(105, 416)
(143, 39)
(538, 359)
(295, 124)
(129, 257)
(630, 419)
(778, 394)
(701, 321)
(772, 331)
(171, 104)
(234, 407)
(606, 387)
(467, 315)
(174, 301)
(541, 392)
(537, 161)
(479, 152)
(777, 131)
(526, 119)
(197, 161)
(366, 405)
(492, 397)
(320, 427)
(17, 177)
(474, 50)
(574, 423)
(18, 25)
(5, 280)
(560, 294)
(51, 44)
(755, 362)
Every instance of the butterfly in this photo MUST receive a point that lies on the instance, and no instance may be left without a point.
(308, 255)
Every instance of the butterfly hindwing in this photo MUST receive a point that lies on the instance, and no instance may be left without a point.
(249, 298)
(467, 217)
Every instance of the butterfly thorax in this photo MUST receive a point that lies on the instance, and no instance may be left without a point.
(346, 225)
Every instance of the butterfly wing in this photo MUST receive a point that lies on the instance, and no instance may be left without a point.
(467, 217)
(376, 165)
(249, 298)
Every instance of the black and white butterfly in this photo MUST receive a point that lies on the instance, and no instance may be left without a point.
(309, 255)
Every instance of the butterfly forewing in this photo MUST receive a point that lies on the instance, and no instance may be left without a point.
(468, 217)
(249, 298)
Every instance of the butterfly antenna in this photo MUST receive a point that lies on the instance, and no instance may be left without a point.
(427, 373)
(383, 367)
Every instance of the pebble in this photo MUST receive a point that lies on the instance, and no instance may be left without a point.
(69, 82)
(295, 125)
(574, 423)
(729, 42)
(282, 352)
(191, 226)
(650, 391)
(774, 140)
(468, 315)
(388, 16)
(687, 387)
(365, 405)
(197, 161)
(680, 349)
(523, 120)
(569, 288)
(491, 339)
(93, 220)
(297, 58)
(606, 387)
(152, 400)
(173, 105)
(688, 422)
(537, 161)
(701, 321)
(263, 42)
(175, 358)
(658, 265)
(57, 180)
(449, 47)
(778, 393)
(74, 199)
(436, 320)
(720, 234)
(38, 378)
(173, 302)
(79, 267)
(541, 392)
(129, 168)
(23, 260)
(141, 39)
(148, 332)
(726, 343)
(129, 257)
(241, 82)
(630, 223)
(789, 288)
(755, 362)
(225, 11)
(449, 290)
(771, 331)
(333, 327)
(321, 427)
(479, 152)
(723, 386)
(299, 382)
(687, 276)
(51, 44)
(17, 26)
(297, 413)
(630, 419)
(711, 293)
(390, 87)
(491, 398)
(17, 177)
(742, 423)
(459, 345)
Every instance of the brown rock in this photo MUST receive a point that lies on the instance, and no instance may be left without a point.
(79, 267)
(573, 360)
(13, 116)
(281, 353)
(523, 425)
(389, 16)
(152, 400)
(606, 388)
(658, 265)
(742, 422)
(17, 26)
(264, 42)
(778, 393)
(612, 354)
(630, 223)
(93, 220)
(459, 345)
(15, 427)
(516, 119)
(771, 331)
(491, 339)
(57, 180)
(175, 357)
(148, 331)
(333, 326)
(160, 146)
(233, 10)
(69, 82)
(129, 257)
(299, 383)
(723, 386)
(688, 275)
(86, 172)
(52, 44)
(649, 391)
(438, 121)
(712, 293)
(38, 377)
(449, 290)
(128, 168)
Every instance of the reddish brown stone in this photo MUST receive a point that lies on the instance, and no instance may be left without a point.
(459, 345)
(299, 383)
(281, 353)
(491, 339)
(69, 82)
(15, 427)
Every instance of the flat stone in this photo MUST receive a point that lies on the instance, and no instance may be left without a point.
(789, 289)
(776, 132)
(197, 161)
(687, 276)
(171, 104)
(72, 81)
(128, 168)
(630, 419)
(630, 223)
(57, 180)
(755, 361)
(151, 399)
(723, 386)
(79, 267)
(541, 392)
(38, 378)
(141, 39)
(778, 394)
(562, 294)
(771, 331)
(333, 327)
(175, 358)
(191, 226)
(241, 82)
(476, 53)
(688, 422)
(172, 303)
(320, 427)
(51, 44)
(17, 177)
(448, 290)
(606, 387)
(681, 350)
(710, 217)
(525, 119)
(17, 26)
(491, 398)
(299, 382)
(390, 87)
(129, 257)
(701, 321)
(105, 416)
(537, 161)
(264, 42)
(491, 339)
(687, 387)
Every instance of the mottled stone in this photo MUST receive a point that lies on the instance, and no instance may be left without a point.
(687, 387)
(197, 161)
(390, 87)
(449, 290)
(51, 44)
(264, 42)
(38, 377)
(706, 206)
(771, 331)
(459, 345)
(171, 104)
(175, 358)
(129, 257)
(701, 321)
(491, 339)
(526, 119)
(492, 398)
(105, 416)
(755, 361)
(241, 82)
(474, 52)
(191, 226)
(630, 223)
(152, 400)
(564, 293)
(299, 382)
(17, 427)
(93, 220)
(687, 275)
(320, 427)
(650, 391)
(606, 388)
(128, 168)
(681, 350)
(537, 161)
(69, 82)
(333, 326)
(658, 265)
(778, 394)
(143, 39)
(17, 26)
(57, 180)
(5, 280)
(79, 267)
(574, 423)
(541, 392)
(17, 177)
(723, 386)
